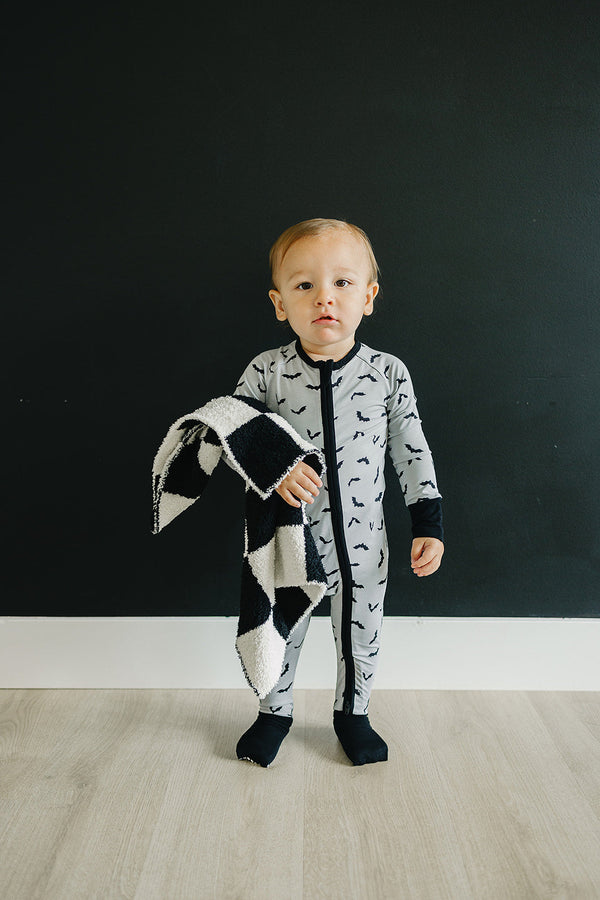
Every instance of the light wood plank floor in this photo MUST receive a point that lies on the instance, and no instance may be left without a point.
(138, 794)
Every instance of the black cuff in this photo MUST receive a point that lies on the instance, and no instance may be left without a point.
(426, 518)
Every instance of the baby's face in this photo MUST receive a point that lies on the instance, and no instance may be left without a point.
(324, 291)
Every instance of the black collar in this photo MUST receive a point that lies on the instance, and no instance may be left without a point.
(318, 364)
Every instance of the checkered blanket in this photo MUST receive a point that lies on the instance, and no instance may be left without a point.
(282, 574)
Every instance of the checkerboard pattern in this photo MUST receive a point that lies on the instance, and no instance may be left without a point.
(282, 575)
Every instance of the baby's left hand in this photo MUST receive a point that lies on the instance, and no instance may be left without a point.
(426, 555)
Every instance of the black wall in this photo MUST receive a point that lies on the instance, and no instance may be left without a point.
(153, 155)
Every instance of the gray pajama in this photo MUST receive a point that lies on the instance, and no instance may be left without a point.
(352, 409)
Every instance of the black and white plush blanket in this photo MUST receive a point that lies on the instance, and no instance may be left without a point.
(282, 574)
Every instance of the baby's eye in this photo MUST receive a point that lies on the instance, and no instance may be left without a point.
(305, 285)
(344, 280)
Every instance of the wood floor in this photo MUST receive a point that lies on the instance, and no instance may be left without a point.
(486, 795)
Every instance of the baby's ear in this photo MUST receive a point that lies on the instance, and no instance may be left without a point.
(278, 304)
(372, 290)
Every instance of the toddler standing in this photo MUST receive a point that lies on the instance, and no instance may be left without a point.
(352, 402)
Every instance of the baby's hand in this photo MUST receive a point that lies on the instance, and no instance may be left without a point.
(426, 555)
(301, 483)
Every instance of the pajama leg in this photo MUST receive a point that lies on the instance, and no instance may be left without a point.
(367, 619)
(280, 700)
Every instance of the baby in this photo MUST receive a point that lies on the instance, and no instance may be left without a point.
(352, 402)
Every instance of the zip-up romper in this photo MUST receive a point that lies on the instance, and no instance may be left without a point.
(352, 409)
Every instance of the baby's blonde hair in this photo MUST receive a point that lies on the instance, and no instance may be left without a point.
(310, 228)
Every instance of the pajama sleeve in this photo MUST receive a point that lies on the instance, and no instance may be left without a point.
(411, 455)
(251, 384)
(253, 380)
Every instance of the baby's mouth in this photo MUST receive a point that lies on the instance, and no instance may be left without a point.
(325, 319)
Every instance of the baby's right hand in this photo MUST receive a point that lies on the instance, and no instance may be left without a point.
(301, 484)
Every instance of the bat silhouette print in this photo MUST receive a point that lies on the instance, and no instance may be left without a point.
(370, 377)
(381, 559)
(283, 690)
(362, 418)
(358, 434)
(366, 677)
(291, 377)
(356, 503)
(413, 449)
(338, 382)
(375, 356)
(357, 394)
(313, 387)
(312, 436)
(358, 624)
(353, 519)
(424, 483)
(275, 709)
(364, 459)
(325, 541)
(353, 479)
(374, 637)
(297, 412)
(374, 653)
(373, 607)
(257, 369)
(360, 547)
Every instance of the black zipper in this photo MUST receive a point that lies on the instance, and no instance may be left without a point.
(337, 519)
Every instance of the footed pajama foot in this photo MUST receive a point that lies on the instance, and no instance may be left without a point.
(361, 744)
(263, 739)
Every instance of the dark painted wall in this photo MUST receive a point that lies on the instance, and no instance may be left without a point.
(153, 157)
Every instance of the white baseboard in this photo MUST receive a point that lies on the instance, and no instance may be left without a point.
(434, 653)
